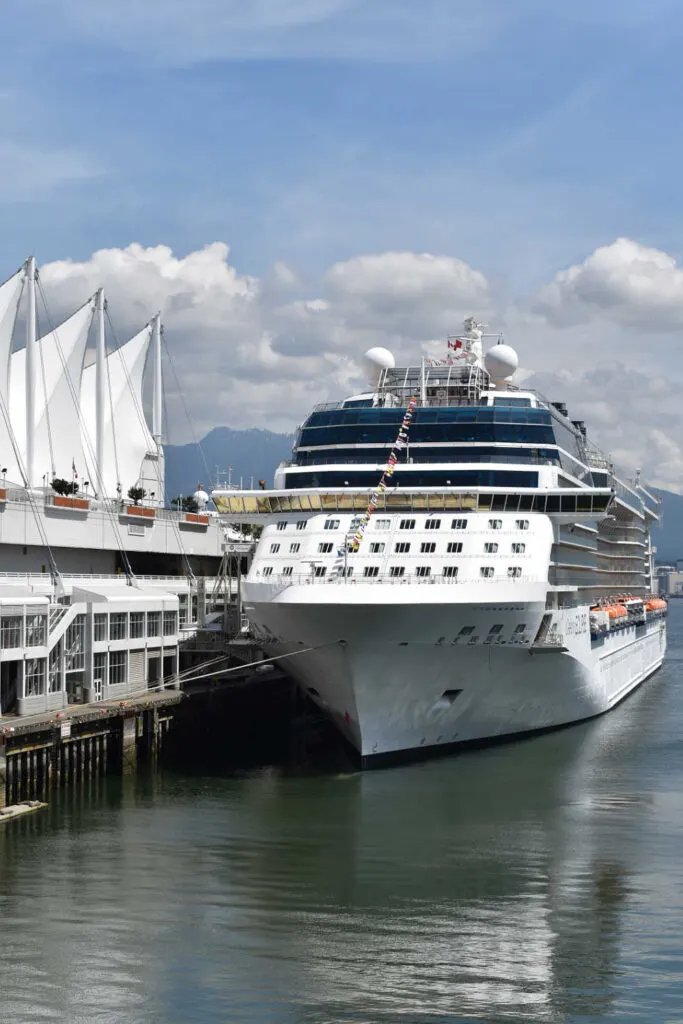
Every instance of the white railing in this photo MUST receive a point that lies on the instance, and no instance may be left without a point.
(303, 579)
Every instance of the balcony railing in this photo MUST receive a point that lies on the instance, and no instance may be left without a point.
(306, 579)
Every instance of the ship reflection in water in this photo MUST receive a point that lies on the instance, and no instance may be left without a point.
(534, 882)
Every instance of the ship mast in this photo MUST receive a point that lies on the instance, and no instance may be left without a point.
(100, 380)
(31, 367)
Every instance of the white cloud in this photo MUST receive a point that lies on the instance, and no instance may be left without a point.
(625, 283)
(262, 352)
(29, 171)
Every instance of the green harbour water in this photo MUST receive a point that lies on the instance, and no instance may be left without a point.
(539, 881)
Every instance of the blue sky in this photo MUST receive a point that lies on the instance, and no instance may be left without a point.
(516, 135)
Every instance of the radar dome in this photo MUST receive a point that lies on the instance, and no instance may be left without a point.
(501, 362)
(377, 359)
(201, 497)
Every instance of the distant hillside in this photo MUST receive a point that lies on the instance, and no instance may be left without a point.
(257, 453)
(254, 453)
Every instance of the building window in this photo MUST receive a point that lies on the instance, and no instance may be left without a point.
(332, 524)
(170, 624)
(287, 570)
(521, 628)
(117, 667)
(54, 675)
(496, 629)
(324, 549)
(117, 626)
(319, 570)
(518, 548)
(380, 524)
(99, 668)
(486, 571)
(402, 548)
(514, 571)
(428, 547)
(74, 645)
(490, 548)
(406, 524)
(153, 623)
(397, 570)
(274, 548)
(454, 547)
(522, 524)
(459, 524)
(423, 570)
(268, 571)
(371, 570)
(11, 631)
(433, 524)
(34, 677)
(99, 627)
(301, 524)
(137, 621)
(282, 524)
(35, 630)
(294, 548)
(495, 524)
(376, 548)
(450, 571)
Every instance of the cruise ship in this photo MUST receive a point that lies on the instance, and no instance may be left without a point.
(449, 560)
(102, 578)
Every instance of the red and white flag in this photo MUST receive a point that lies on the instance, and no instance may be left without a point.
(456, 343)
(73, 469)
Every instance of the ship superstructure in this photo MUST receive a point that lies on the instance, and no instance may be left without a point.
(453, 559)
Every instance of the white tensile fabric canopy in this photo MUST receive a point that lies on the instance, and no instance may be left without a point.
(127, 438)
(10, 294)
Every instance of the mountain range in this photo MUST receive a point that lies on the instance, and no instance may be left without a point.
(255, 454)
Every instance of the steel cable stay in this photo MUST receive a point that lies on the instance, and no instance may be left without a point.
(46, 397)
(181, 395)
(130, 576)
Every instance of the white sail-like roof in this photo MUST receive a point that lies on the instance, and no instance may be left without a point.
(59, 364)
(10, 294)
(127, 438)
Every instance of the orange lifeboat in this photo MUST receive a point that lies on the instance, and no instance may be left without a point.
(616, 612)
(656, 604)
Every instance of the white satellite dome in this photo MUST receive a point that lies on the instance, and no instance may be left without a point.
(201, 497)
(377, 359)
(501, 362)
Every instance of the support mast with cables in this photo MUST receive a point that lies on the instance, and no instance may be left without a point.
(31, 367)
(100, 388)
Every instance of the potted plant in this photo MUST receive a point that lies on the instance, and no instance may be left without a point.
(65, 495)
(136, 494)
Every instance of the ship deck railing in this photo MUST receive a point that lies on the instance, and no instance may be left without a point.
(417, 462)
(339, 579)
(564, 501)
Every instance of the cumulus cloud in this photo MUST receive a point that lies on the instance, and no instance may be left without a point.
(625, 282)
(261, 351)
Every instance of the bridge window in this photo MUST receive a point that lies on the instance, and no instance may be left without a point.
(521, 628)
(518, 548)
(407, 524)
(522, 524)
(332, 524)
(301, 524)
(376, 549)
(433, 524)
(459, 524)
(486, 571)
(397, 570)
(371, 570)
(346, 571)
(287, 570)
(490, 548)
(402, 548)
(319, 570)
(282, 525)
(449, 571)
(268, 571)
(380, 524)
(324, 549)
(466, 631)
(514, 571)
(495, 524)
(428, 548)
(423, 570)
(294, 548)
(454, 547)
(274, 548)
(496, 629)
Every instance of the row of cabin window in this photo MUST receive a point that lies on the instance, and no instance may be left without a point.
(403, 547)
(371, 571)
(407, 524)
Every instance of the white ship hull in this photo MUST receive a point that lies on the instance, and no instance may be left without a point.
(398, 680)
